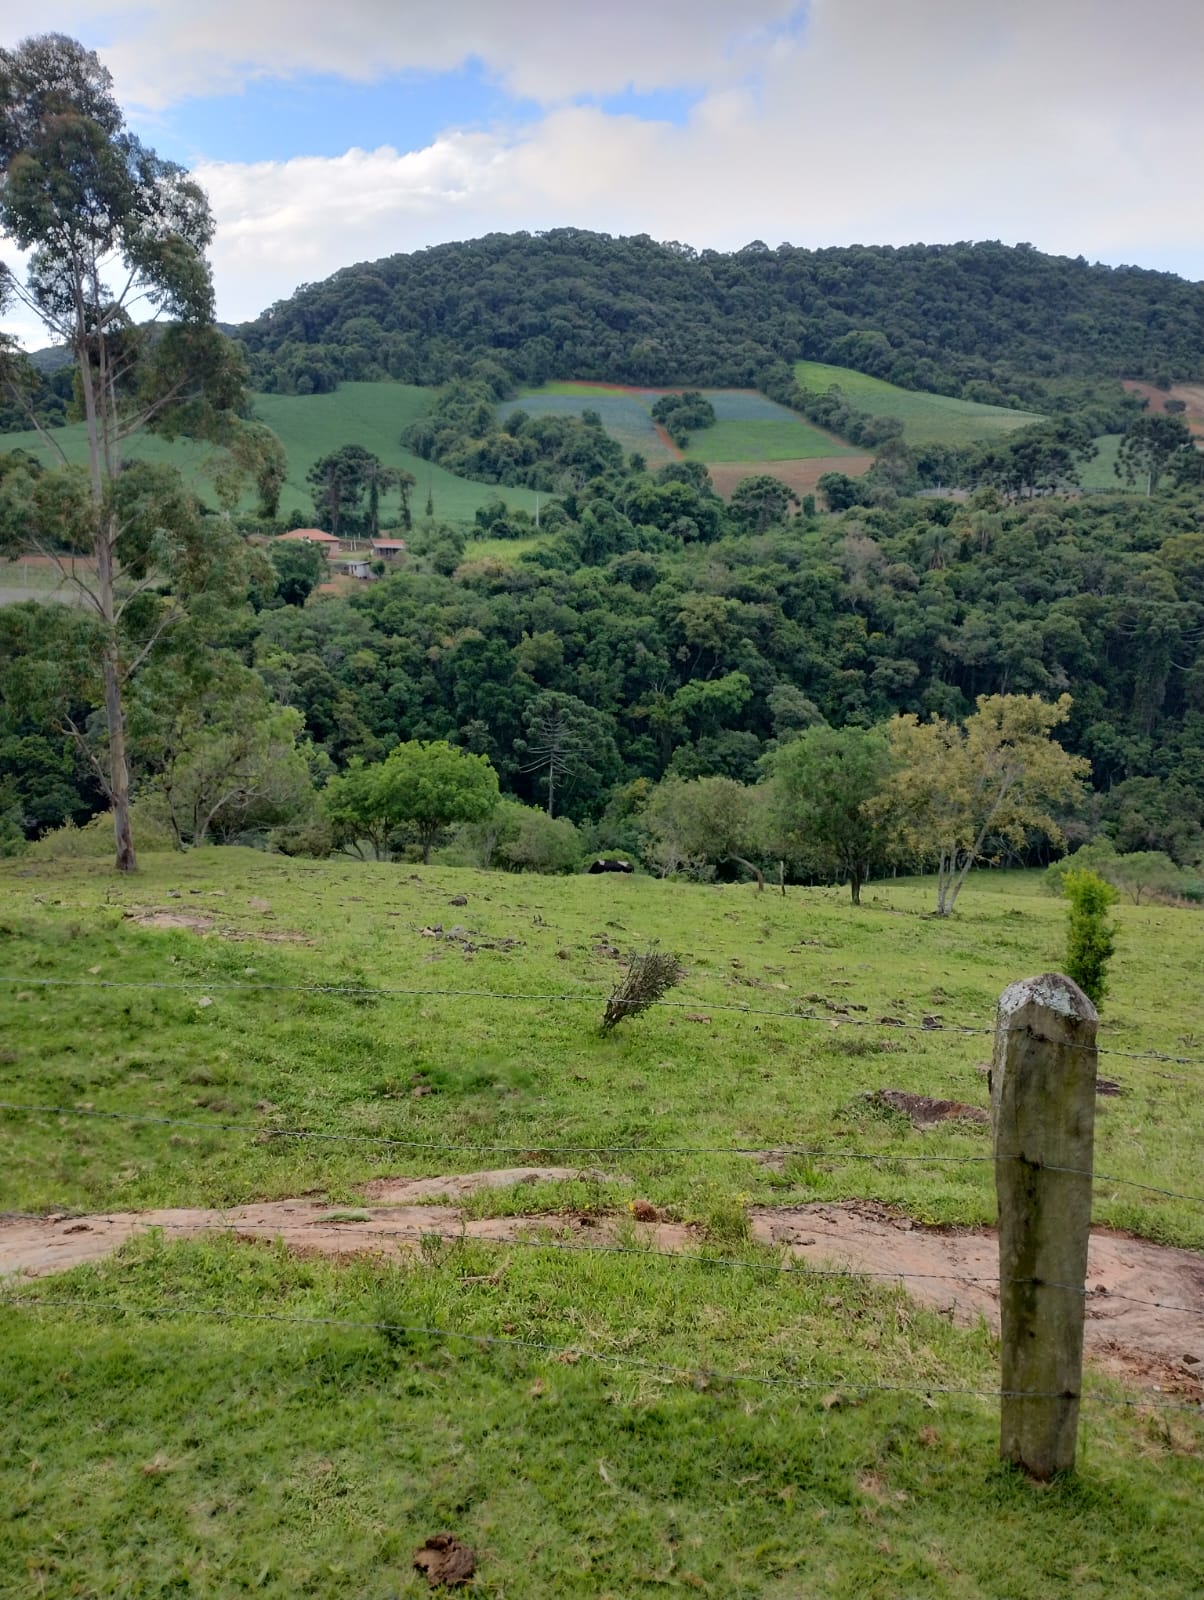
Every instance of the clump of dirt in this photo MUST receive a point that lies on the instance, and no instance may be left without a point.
(468, 939)
(445, 1560)
(194, 921)
(925, 1112)
(405, 1191)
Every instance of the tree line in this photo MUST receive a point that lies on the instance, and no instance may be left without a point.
(1006, 325)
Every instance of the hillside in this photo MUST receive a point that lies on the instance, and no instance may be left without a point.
(310, 426)
(926, 418)
(595, 1403)
(987, 322)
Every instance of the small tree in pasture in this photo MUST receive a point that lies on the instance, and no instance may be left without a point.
(1091, 937)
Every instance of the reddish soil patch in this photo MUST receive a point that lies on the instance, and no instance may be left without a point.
(802, 475)
(927, 1113)
(947, 1269)
(1163, 1343)
(1191, 394)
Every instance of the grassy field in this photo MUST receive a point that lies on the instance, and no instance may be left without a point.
(748, 427)
(926, 418)
(201, 1450)
(310, 426)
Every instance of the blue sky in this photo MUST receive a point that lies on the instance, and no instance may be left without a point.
(326, 134)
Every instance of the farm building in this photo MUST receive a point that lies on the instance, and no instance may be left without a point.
(388, 549)
(325, 541)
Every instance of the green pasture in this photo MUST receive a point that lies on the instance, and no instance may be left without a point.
(513, 1072)
(309, 427)
(160, 1448)
(748, 427)
(187, 1420)
(926, 418)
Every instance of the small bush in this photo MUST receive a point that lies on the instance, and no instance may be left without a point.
(1091, 937)
(543, 844)
(648, 978)
(95, 839)
(1094, 856)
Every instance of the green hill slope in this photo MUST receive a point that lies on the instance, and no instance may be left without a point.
(309, 426)
(926, 418)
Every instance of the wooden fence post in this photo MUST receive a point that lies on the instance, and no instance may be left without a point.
(1043, 1120)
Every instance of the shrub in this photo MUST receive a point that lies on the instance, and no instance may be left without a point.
(95, 839)
(1090, 857)
(1091, 937)
(543, 844)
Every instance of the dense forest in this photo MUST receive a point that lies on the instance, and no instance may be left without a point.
(678, 637)
(646, 630)
(1002, 324)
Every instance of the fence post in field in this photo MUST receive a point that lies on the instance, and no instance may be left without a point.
(1043, 1123)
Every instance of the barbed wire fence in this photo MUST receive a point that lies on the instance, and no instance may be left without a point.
(835, 1154)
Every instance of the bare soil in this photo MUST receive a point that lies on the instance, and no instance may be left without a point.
(946, 1269)
(1192, 395)
(802, 475)
(202, 922)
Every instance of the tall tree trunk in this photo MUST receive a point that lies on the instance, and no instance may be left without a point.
(855, 884)
(119, 774)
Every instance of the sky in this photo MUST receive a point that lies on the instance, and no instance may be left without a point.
(328, 133)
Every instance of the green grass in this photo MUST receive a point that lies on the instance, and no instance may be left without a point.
(749, 426)
(792, 440)
(310, 426)
(149, 1455)
(1100, 474)
(926, 418)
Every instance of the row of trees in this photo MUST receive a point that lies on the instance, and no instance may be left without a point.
(833, 803)
(844, 803)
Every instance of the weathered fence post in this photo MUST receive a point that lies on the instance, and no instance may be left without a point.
(1043, 1118)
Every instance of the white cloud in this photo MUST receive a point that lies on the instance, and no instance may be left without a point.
(1074, 124)
(1030, 126)
(543, 50)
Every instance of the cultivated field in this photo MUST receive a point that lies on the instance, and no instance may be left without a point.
(926, 418)
(585, 1418)
(1191, 394)
(310, 426)
(748, 426)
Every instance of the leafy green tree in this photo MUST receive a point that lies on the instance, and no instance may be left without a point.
(1150, 445)
(237, 771)
(1143, 872)
(1091, 936)
(761, 502)
(299, 567)
(820, 810)
(543, 844)
(427, 786)
(94, 207)
(958, 789)
(699, 823)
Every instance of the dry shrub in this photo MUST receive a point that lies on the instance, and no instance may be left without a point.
(648, 978)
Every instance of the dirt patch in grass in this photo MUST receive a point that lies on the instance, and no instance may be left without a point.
(949, 1270)
(404, 1191)
(925, 1112)
(201, 922)
(802, 476)
(194, 921)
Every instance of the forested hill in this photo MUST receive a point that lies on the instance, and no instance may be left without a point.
(985, 321)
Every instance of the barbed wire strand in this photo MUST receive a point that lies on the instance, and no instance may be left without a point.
(249, 1227)
(594, 997)
(535, 1148)
(797, 1152)
(574, 1353)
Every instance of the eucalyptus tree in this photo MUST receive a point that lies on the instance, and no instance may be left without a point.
(115, 239)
